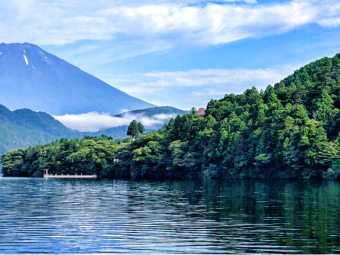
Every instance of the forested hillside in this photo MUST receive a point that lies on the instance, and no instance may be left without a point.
(23, 128)
(87, 156)
(289, 130)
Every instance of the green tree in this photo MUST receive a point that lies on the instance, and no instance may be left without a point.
(133, 130)
(141, 128)
(193, 110)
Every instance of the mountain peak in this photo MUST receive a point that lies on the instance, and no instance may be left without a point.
(21, 54)
(18, 46)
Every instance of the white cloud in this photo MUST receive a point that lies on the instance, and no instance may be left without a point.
(94, 121)
(139, 89)
(210, 92)
(208, 77)
(168, 22)
(185, 89)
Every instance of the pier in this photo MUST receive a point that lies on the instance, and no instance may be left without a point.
(67, 176)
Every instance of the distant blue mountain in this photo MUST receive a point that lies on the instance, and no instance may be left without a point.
(22, 128)
(35, 79)
(149, 112)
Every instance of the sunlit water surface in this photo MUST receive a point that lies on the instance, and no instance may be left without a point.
(85, 216)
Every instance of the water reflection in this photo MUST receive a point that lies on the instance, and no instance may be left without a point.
(184, 217)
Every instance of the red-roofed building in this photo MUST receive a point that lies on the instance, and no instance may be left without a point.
(201, 112)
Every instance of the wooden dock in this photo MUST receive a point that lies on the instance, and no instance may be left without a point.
(67, 176)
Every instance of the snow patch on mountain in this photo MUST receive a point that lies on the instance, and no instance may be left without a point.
(26, 60)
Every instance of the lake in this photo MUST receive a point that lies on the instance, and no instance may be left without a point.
(237, 216)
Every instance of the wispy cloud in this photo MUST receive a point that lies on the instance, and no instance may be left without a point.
(185, 89)
(208, 77)
(209, 92)
(94, 121)
(170, 22)
(205, 81)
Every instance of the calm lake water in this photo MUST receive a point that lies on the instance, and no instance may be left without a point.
(85, 216)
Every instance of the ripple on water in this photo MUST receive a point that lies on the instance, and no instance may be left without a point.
(84, 216)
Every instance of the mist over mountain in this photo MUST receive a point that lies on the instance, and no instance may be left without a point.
(23, 128)
(35, 79)
(152, 118)
(149, 112)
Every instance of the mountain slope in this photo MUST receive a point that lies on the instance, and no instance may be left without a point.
(29, 119)
(153, 118)
(33, 78)
(23, 128)
(149, 112)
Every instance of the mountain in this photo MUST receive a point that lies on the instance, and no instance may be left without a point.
(33, 78)
(153, 118)
(23, 128)
(29, 119)
(149, 112)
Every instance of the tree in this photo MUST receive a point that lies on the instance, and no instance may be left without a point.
(193, 110)
(141, 128)
(133, 130)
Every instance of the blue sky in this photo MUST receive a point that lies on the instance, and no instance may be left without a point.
(180, 53)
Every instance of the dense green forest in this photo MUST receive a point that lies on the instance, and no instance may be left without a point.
(289, 130)
(89, 155)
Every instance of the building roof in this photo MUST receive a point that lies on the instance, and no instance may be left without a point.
(201, 111)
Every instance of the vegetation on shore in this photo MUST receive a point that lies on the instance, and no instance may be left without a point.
(289, 130)
(89, 155)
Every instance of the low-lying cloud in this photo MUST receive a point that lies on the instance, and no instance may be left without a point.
(94, 121)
